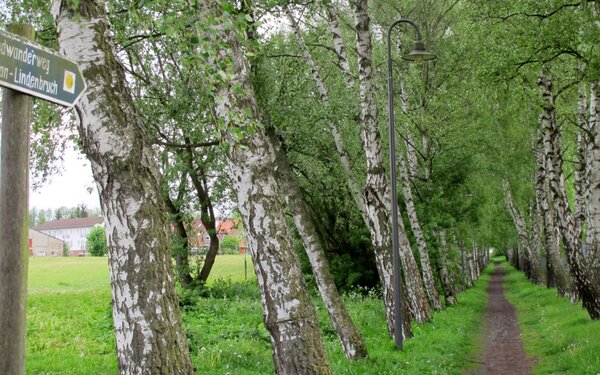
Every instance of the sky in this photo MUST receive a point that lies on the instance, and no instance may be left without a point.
(70, 188)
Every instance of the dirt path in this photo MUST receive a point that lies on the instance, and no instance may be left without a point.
(504, 353)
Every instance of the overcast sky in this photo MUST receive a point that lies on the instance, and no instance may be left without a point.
(70, 188)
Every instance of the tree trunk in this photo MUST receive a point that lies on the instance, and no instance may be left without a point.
(351, 340)
(582, 167)
(207, 215)
(377, 192)
(449, 293)
(149, 335)
(521, 227)
(474, 257)
(324, 95)
(411, 148)
(182, 252)
(588, 289)
(472, 266)
(338, 43)
(555, 272)
(535, 244)
(381, 240)
(415, 224)
(465, 268)
(289, 314)
(592, 239)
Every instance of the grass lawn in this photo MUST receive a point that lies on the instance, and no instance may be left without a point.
(70, 326)
(70, 274)
(558, 334)
(50, 275)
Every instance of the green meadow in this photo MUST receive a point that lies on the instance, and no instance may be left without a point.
(558, 336)
(70, 326)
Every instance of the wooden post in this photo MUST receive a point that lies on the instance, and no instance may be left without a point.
(14, 247)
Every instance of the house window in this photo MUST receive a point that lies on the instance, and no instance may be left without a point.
(41, 253)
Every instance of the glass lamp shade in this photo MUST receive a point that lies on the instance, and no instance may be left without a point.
(419, 53)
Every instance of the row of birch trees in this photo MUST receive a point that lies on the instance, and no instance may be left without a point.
(192, 102)
(549, 57)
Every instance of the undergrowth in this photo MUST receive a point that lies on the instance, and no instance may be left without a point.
(71, 332)
(227, 335)
(558, 335)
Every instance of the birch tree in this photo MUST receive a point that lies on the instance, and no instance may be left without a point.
(149, 335)
(351, 340)
(157, 45)
(288, 312)
(581, 268)
(377, 189)
(555, 272)
(380, 231)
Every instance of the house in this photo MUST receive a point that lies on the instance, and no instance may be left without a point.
(44, 245)
(72, 231)
(199, 236)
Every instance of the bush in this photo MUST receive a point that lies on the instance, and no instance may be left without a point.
(218, 289)
(230, 245)
(96, 242)
(66, 250)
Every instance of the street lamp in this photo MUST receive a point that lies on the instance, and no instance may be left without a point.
(418, 54)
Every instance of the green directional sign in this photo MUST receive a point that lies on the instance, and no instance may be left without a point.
(38, 71)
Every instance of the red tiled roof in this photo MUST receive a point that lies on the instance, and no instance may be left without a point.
(225, 226)
(80, 222)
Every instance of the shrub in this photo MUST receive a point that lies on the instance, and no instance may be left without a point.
(230, 245)
(96, 242)
(66, 250)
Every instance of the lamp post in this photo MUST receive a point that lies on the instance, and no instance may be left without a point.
(418, 53)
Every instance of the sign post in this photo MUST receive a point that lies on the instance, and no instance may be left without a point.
(38, 71)
(26, 70)
(14, 252)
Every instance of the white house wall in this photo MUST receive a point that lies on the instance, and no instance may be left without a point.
(76, 238)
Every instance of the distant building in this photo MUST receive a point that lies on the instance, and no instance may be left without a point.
(44, 245)
(72, 231)
(199, 237)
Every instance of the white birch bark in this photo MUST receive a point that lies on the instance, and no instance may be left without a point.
(333, 125)
(338, 43)
(521, 227)
(588, 289)
(555, 272)
(411, 150)
(447, 287)
(352, 342)
(384, 270)
(464, 264)
(535, 244)
(426, 271)
(289, 314)
(426, 151)
(149, 335)
(593, 227)
(530, 261)
(582, 168)
(413, 218)
(377, 186)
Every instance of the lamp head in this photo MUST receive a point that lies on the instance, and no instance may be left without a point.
(419, 53)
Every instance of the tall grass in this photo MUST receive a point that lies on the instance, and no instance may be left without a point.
(70, 327)
(558, 335)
